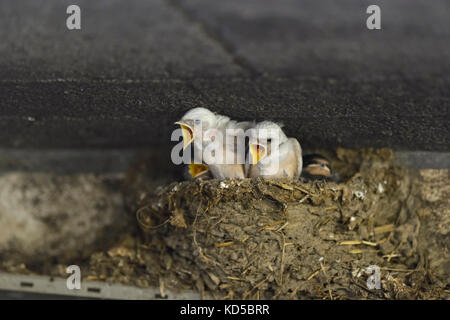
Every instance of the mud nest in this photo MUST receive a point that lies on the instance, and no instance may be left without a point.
(280, 239)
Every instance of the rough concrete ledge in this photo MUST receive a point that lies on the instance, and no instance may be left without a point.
(136, 66)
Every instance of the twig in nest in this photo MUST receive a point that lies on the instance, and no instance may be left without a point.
(356, 242)
(283, 226)
(393, 251)
(223, 244)
(349, 242)
(220, 220)
(161, 288)
(369, 243)
(383, 229)
(304, 198)
(200, 250)
(366, 289)
(282, 185)
(282, 259)
(302, 190)
(146, 225)
(400, 270)
(283, 251)
(328, 280)
(271, 226)
(321, 223)
(313, 275)
(259, 284)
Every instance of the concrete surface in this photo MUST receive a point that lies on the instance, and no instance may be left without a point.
(42, 287)
(136, 66)
(45, 216)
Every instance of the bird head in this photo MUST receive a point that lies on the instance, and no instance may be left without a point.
(187, 130)
(192, 120)
(316, 166)
(262, 137)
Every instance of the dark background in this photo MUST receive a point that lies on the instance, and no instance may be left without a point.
(137, 66)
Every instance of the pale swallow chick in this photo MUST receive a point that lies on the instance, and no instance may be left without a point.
(191, 120)
(230, 160)
(272, 154)
(214, 125)
(316, 167)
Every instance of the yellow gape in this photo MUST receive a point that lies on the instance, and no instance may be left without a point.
(258, 152)
(188, 134)
(197, 169)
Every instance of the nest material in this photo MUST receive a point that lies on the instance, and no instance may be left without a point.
(282, 239)
(258, 238)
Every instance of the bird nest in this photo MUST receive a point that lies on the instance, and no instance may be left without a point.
(281, 239)
(267, 239)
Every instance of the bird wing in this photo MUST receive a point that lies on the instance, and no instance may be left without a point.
(297, 150)
(291, 163)
(230, 167)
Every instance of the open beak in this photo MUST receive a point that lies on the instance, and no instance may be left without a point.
(257, 152)
(197, 169)
(188, 134)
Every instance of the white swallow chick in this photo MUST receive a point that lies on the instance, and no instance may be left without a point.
(212, 125)
(196, 118)
(231, 165)
(272, 154)
(190, 123)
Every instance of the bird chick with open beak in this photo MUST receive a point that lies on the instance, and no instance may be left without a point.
(212, 125)
(316, 167)
(200, 118)
(197, 118)
(272, 154)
